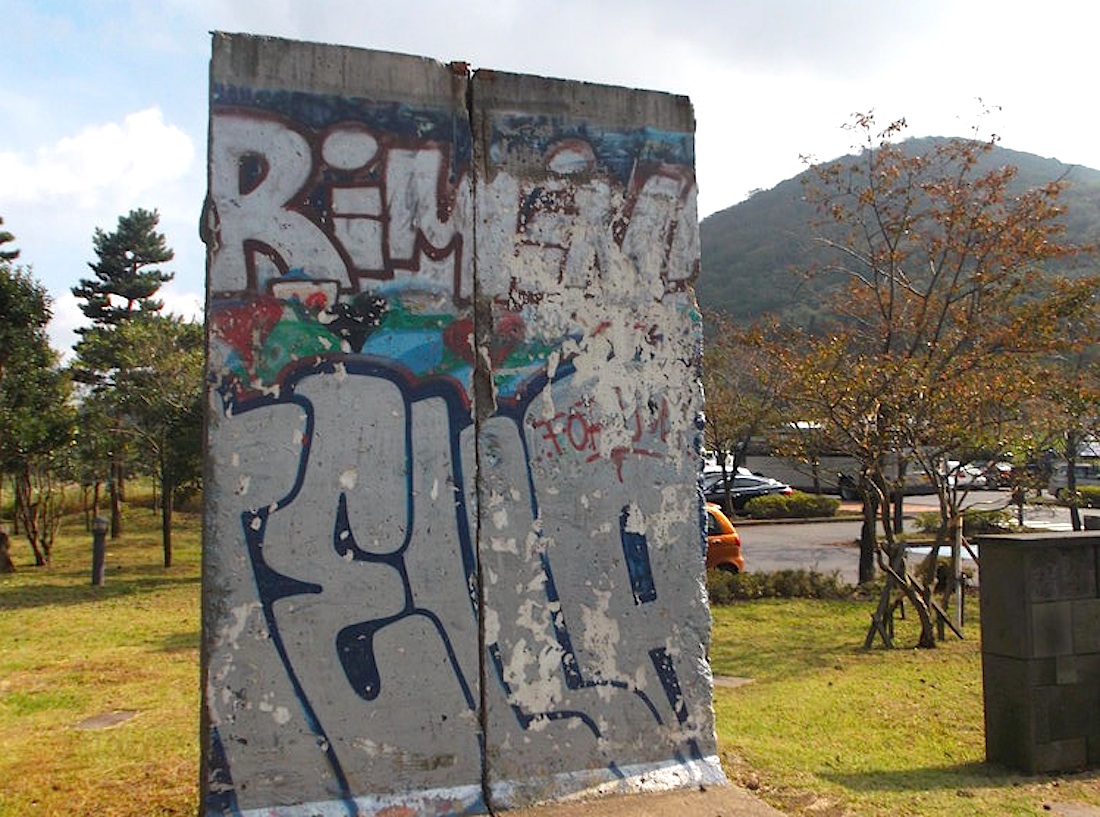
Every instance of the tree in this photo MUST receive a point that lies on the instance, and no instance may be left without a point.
(126, 278)
(6, 256)
(938, 334)
(122, 292)
(1072, 401)
(39, 415)
(160, 394)
(93, 447)
(741, 388)
(842, 394)
(36, 416)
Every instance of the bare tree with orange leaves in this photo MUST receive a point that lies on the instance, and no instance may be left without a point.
(946, 316)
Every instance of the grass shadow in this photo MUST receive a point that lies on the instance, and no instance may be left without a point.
(961, 776)
(181, 642)
(779, 664)
(25, 596)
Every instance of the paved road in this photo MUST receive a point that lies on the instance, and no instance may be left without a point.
(820, 546)
(829, 546)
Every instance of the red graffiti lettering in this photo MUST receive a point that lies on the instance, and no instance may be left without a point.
(578, 432)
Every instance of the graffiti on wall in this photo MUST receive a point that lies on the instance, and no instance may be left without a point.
(429, 588)
(354, 218)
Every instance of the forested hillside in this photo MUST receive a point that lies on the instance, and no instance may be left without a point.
(757, 255)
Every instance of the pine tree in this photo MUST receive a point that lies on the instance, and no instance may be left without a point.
(126, 276)
(121, 294)
(6, 256)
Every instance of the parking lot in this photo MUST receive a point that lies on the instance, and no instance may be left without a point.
(827, 546)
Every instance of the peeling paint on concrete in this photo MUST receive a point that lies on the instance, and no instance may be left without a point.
(453, 545)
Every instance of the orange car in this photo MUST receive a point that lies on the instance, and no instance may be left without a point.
(723, 542)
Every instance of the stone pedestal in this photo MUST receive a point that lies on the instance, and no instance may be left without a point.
(1040, 605)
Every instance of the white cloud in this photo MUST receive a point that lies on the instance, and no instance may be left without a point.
(62, 327)
(68, 317)
(769, 81)
(188, 305)
(54, 197)
(103, 164)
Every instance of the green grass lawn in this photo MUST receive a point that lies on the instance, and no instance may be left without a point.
(824, 728)
(70, 651)
(827, 728)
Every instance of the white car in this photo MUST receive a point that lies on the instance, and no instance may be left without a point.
(965, 475)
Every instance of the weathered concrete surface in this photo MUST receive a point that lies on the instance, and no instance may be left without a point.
(1040, 605)
(453, 534)
(586, 226)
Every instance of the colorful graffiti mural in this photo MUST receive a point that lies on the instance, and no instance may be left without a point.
(453, 541)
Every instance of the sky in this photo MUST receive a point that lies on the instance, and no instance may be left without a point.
(105, 102)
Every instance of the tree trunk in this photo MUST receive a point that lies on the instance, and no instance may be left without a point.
(927, 639)
(27, 510)
(1071, 485)
(116, 503)
(919, 597)
(868, 538)
(897, 495)
(166, 503)
(899, 510)
(6, 564)
(15, 508)
(954, 582)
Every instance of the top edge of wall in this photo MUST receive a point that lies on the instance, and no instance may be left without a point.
(276, 63)
(262, 61)
(589, 101)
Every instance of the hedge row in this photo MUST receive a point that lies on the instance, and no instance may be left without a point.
(975, 522)
(726, 588)
(797, 505)
(1089, 496)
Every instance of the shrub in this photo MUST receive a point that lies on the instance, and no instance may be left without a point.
(797, 505)
(1089, 496)
(978, 522)
(975, 522)
(928, 521)
(726, 588)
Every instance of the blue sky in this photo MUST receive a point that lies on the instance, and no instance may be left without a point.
(105, 101)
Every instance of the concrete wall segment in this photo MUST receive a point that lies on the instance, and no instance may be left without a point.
(453, 538)
(273, 63)
(607, 446)
(585, 102)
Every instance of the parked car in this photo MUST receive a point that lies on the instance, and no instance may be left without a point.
(711, 470)
(723, 542)
(965, 475)
(743, 487)
(1085, 474)
(999, 474)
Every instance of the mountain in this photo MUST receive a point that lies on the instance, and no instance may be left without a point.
(755, 254)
